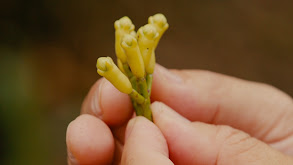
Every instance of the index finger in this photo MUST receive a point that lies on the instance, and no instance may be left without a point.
(145, 144)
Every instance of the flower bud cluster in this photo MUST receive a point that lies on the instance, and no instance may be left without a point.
(133, 50)
(136, 59)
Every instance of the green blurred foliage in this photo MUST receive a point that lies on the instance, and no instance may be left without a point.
(48, 51)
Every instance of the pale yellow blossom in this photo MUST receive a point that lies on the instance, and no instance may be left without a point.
(147, 36)
(134, 58)
(122, 26)
(160, 23)
(107, 69)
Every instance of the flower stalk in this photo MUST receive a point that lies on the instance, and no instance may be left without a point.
(136, 60)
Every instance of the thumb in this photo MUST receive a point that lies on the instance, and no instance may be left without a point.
(200, 143)
(144, 144)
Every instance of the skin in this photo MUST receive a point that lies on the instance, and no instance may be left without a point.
(200, 117)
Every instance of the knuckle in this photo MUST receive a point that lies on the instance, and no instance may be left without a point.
(226, 134)
(235, 137)
(234, 144)
(283, 100)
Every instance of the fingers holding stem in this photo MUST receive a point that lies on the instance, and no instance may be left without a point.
(142, 101)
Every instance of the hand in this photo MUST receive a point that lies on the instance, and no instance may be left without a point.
(215, 119)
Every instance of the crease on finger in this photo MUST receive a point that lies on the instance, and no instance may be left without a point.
(92, 102)
(70, 158)
(118, 152)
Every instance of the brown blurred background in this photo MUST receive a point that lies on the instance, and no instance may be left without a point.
(48, 51)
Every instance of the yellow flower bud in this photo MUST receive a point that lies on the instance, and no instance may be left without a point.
(151, 66)
(147, 36)
(134, 58)
(122, 26)
(133, 33)
(120, 66)
(107, 68)
(160, 23)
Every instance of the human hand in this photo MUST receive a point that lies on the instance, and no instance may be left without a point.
(200, 97)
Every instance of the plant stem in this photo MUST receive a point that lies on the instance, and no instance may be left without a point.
(134, 94)
(137, 108)
(147, 112)
(127, 70)
(143, 89)
(133, 82)
(140, 95)
(149, 80)
(138, 98)
(142, 86)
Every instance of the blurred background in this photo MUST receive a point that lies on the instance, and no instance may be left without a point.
(48, 52)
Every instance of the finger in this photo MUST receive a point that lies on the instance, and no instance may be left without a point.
(119, 132)
(89, 141)
(145, 144)
(107, 103)
(262, 111)
(117, 153)
(199, 143)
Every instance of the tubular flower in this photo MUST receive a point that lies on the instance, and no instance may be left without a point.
(160, 23)
(122, 26)
(147, 36)
(134, 58)
(107, 69)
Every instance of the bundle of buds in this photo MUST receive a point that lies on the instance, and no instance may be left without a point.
(136, 60)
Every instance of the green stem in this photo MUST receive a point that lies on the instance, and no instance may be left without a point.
(138, 98)
(133, 82)
(127, 70)
(147, 112)
(142, 86)
(140, 95)
(137, 108)
(149, 80)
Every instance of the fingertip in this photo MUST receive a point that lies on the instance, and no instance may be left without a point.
(144, 143)
(172, 89)
(163, 113)
(136, 124)
(89, 141)
(183, 139)
(129, 126)
(116, 106)
(107, 103)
